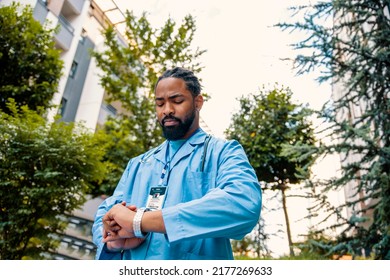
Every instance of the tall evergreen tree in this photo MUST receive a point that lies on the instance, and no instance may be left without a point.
(348, 43)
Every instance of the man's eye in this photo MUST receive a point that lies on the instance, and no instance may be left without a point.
(159, 104)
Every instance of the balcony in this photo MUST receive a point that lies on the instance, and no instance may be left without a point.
(65, 35)
(72, 7)
(40, 11)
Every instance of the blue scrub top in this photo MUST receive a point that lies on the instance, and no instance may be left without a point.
(204, 207)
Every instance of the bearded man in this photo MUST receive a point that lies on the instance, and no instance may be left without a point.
(186, 198)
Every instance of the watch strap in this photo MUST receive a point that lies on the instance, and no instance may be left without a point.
(137, 223)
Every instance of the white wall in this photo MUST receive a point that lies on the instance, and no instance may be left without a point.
(92, 95)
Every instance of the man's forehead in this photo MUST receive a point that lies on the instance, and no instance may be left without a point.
(171, 87)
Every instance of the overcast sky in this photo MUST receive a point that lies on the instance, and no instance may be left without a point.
(243, 53)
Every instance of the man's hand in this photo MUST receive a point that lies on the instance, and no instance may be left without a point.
(118, 221)
(118, 228)
(118, 244)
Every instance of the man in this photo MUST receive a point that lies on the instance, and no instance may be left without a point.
(186, 198)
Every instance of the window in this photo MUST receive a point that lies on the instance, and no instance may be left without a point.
(106, 111)
(73, 69)
(62, 107)
(83, 35)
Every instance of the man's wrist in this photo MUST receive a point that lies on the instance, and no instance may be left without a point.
(137, 223)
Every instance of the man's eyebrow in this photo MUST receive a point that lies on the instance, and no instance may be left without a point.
(173, 96)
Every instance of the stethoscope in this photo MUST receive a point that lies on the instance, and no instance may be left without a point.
(204, 154)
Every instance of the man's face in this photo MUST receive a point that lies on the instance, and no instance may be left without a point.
(176, 109)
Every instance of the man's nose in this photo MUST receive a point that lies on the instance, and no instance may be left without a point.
(168, 109)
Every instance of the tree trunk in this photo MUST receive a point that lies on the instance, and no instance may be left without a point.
(290, 244)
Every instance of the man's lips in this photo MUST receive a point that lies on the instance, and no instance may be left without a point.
(170, 122)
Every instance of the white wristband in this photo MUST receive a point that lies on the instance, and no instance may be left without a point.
(137, 223)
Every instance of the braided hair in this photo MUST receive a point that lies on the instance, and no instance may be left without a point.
(192, 82)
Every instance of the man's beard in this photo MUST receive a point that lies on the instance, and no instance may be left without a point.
(178, 131)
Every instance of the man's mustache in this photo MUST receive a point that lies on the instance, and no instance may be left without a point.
(170, 118)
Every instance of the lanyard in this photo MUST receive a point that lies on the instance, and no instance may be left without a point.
(168, 160)
(166, 166)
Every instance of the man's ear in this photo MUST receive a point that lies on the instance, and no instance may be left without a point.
(198, 102)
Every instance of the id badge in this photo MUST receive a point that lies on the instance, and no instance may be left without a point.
(156, 198)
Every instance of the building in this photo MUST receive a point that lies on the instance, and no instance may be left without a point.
(76, 243)
(80, 97)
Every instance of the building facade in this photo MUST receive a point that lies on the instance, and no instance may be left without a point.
(80, 97)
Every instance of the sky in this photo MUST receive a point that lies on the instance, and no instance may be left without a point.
(243, 50)
(244, 53)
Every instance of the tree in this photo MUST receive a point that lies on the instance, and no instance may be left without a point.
(45, 171)
(314, 246)
(348, 43)
(264, 124)
(30, 65)
(131, 68)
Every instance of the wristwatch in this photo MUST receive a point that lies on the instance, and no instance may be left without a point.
(137, 222)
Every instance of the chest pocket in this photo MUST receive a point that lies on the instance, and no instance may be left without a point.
(202, 181)
(199, 183)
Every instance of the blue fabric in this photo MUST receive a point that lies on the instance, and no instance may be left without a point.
(202, 210)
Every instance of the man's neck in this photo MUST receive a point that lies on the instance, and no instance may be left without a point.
(192, 131)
